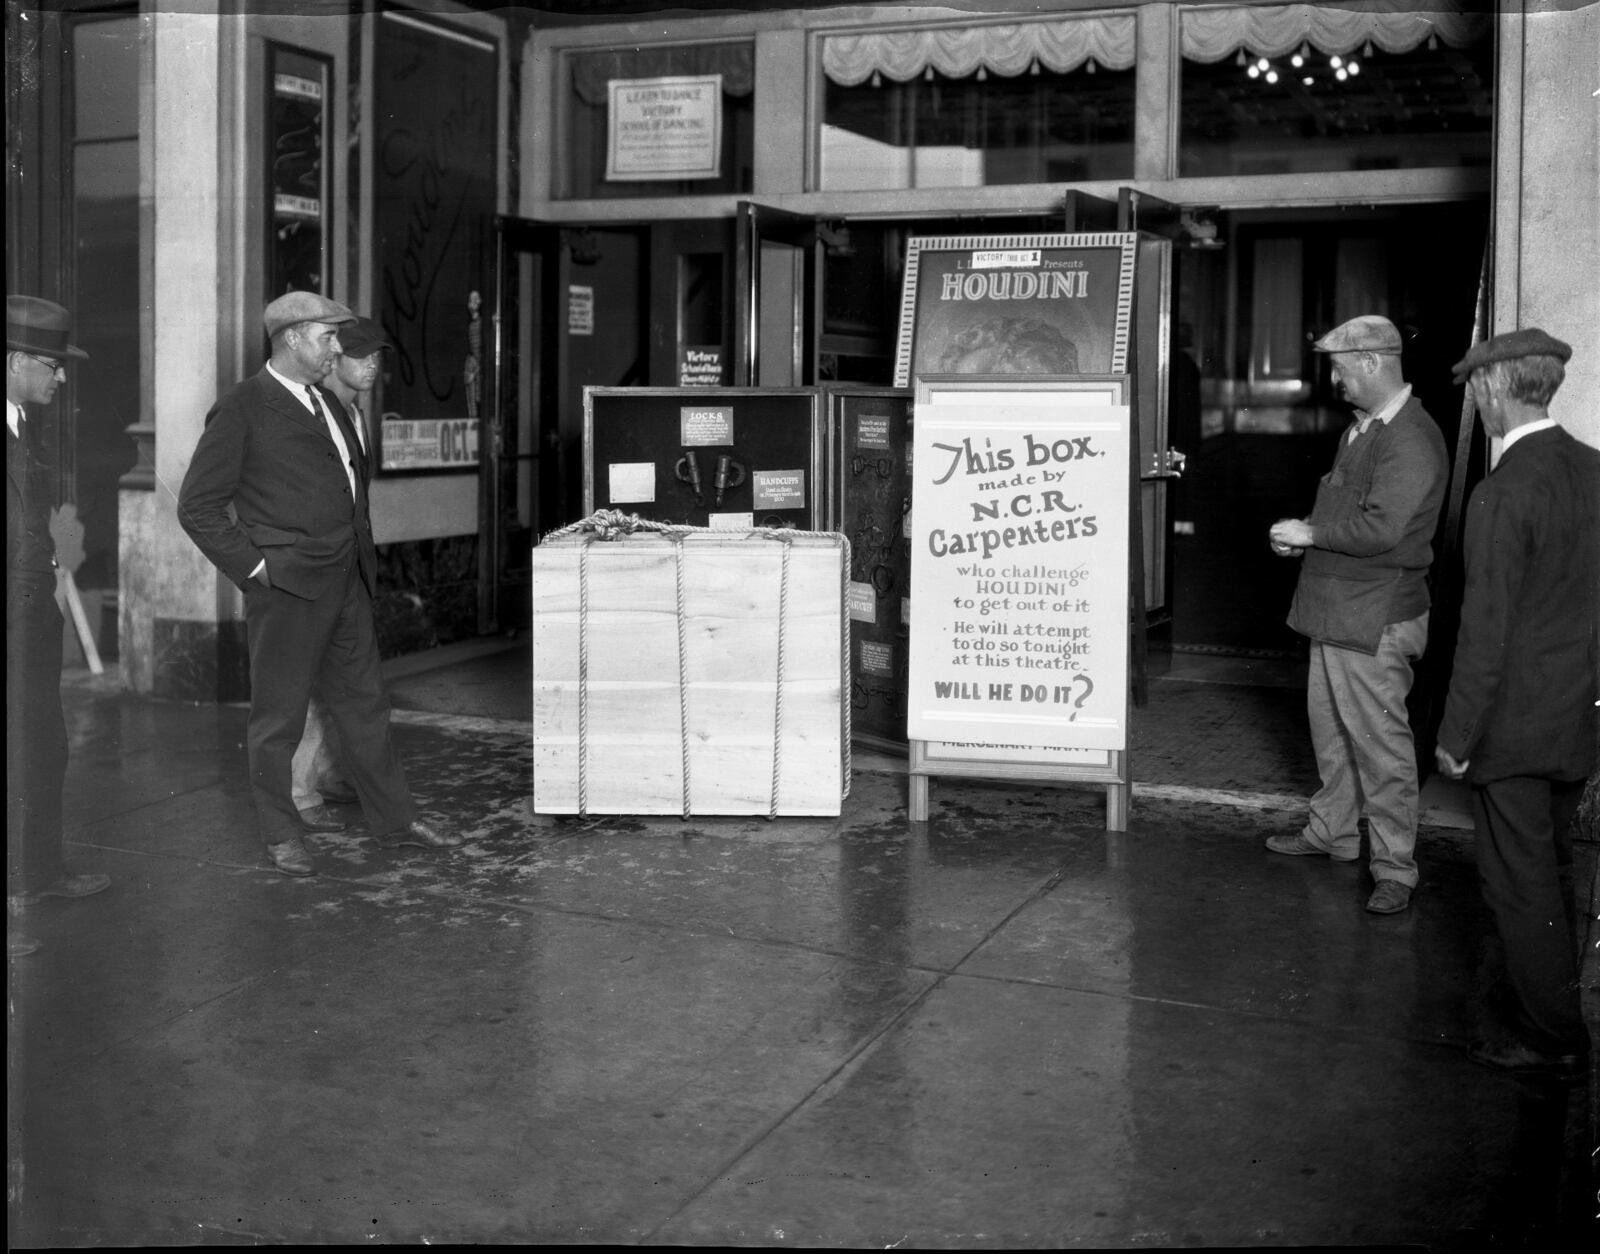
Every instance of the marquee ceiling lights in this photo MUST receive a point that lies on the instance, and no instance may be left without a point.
(1339, 68)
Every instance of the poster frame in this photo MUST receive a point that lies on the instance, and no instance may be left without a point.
(1115, 774)
(840, 402)
(280, 134)
(919, 248)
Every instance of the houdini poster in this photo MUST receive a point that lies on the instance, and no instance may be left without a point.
(1024, 304)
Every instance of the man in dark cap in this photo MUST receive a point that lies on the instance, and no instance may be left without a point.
(1520, 721)
(36, 735)
(1362, 598)
(317, 775)
(276, 497)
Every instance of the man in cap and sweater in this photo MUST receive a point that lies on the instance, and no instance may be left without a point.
(1362, 598)
(1520, 720)
(36, 735)
(276, 497)
(316, 772)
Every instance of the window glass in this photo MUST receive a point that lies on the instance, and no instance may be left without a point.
(105, 76)
(603, 154)
(1306, 109)
(104, 207)
(978, 130)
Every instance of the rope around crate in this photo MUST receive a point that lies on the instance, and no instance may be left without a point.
(610, 524)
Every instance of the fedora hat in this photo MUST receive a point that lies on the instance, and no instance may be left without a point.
(36, 325)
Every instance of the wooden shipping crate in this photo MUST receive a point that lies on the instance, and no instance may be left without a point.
(661, 714)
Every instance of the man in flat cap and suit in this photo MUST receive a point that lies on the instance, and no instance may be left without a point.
(276, 497)
(318, 778)
(1362, 599)
(36, 735)
(1520, 721)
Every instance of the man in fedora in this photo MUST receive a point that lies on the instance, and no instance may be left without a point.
(36, 735)
(1520, 720)
(276, 497)
(1362, 598)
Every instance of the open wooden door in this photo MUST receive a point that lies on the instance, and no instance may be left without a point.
(778, 290)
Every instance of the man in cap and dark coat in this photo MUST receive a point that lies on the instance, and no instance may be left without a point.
(1520, 720)
(1362, 598)
(318, 777)
(276, 497)
(36, 735)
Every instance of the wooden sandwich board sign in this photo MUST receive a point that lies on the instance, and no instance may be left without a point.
(1020, 564)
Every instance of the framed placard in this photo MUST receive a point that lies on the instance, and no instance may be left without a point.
(664, 128)
(870, 502)
(1020, 562)
(297, 200)
(1016, 304)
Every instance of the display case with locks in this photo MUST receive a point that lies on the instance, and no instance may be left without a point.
(729, 458)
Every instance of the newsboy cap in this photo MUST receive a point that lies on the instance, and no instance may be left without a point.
(36, 325)
(1370, 333)
(296, 307)
(362, 338)
(1528, 342)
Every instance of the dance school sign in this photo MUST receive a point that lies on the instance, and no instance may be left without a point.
(1019, 572)
(664, 128)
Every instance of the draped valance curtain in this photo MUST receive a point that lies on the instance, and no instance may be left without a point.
(1010, 49)
(1207, 34)
(591, 71)
(1393, 25)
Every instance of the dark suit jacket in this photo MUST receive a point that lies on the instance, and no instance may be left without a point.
(268, 457)
(1523, 689)
(30, 551)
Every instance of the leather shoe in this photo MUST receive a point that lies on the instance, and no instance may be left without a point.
(1520, 1059)
(1389, 897)
(291, 857)
(420, 834)
(1300, 846)
(320, 819)
(68, 886)
(340, 794)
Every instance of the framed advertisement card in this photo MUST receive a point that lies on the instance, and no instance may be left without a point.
(298, 119)
(1016, 304)
(1020, 570)
(668, 127)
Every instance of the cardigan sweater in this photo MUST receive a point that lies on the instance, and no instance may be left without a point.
(1375, 516)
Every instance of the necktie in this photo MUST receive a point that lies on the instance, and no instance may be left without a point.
(346, 437)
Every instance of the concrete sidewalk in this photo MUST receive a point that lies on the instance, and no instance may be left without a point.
(1003, 1028)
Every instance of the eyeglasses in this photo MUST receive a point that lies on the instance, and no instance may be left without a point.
(49, 363)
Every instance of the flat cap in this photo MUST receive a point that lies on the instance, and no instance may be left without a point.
(1370, 333)
(362, 338)
(296, 307)
(1528, 342)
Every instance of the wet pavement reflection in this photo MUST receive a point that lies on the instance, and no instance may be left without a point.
(1004, 1027)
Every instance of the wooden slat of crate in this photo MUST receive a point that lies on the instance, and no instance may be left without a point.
(732, 587)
